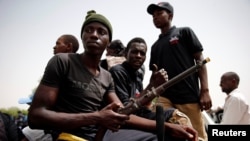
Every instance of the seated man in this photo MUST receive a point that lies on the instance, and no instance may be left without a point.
(128, 84)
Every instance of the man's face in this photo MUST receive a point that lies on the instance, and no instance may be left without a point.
(161, 18)
(95, 38)
(226, 84)
(61, 46)
(136, 55)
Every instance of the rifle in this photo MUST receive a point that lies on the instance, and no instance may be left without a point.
(136, 104)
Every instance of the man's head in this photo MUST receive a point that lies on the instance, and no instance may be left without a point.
(116, 48)
(135, 52)
(66, 44)
(92, 16)
(229, 81)
(162, 14)
(96, 34)
(160, 6)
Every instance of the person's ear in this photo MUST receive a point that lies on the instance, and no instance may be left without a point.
(70, 47)
(234, 81)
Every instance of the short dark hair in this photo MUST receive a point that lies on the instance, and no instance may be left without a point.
(118, 46)
(233, 75)
(135, 40)
(72, 39)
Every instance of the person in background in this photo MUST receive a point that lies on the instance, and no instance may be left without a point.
(66, 43)
(114, 54)
(176, 50)
(236, 109)
(216, 113)
(8, 128)
(128, 84)
(20, 120)
(116, 48)
(33, 134)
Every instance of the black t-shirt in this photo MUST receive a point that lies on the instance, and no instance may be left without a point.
(79, 90)
(174, 51)
(127, 81)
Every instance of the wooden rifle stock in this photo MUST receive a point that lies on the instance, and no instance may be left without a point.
(136, 104)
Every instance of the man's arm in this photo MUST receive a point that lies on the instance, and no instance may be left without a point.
(140, 123)
(205, 99)
(41, 115)
(158, 77)
(175, 130)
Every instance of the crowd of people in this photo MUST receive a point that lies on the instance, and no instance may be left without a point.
(86, 98)
(76, 96)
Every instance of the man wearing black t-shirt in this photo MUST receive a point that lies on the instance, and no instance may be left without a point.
(176, 50)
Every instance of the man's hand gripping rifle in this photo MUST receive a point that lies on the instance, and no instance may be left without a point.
(136, 104)
(143, 100)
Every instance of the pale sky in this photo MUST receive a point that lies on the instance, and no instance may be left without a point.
(30, 28)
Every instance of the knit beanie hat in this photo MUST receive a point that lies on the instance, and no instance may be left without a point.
(92, 16)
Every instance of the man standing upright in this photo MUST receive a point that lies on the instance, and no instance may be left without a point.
(176, 50)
